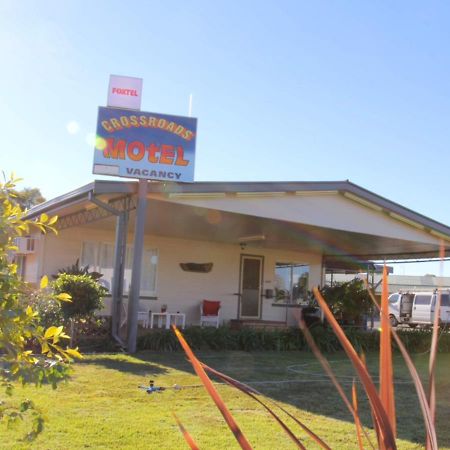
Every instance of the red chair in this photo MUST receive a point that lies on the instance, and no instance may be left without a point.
(209, 312)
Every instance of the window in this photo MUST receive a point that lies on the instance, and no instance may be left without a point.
(99, 256)
(445, 299)
(291, 282)
(422, 300)
(393, 298)
(19, 260)
(89, 254)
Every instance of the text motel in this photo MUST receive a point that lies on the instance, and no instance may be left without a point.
(138, 151)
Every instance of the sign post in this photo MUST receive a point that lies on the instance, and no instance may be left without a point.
(138, 248)
(147, 146)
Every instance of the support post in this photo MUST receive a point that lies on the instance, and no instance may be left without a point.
(119, 263)
(119, 268)
(138, 247)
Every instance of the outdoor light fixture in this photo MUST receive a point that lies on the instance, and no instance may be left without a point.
(253, 238)
(244, 240)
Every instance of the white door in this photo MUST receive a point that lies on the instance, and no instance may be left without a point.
(250, 287)
(394, 305)
(445, 307)
(421, 312)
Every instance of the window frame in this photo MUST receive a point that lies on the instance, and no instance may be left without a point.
(128, 259)
(289, 299)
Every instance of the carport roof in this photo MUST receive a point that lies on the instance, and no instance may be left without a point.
(114, 189)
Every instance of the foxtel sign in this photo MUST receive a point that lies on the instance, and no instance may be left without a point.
(151, 146)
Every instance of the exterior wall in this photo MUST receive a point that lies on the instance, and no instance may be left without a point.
(184, 291)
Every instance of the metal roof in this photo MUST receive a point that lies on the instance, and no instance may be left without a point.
(353, 191)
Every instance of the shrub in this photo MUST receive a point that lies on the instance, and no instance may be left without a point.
(224, 338)
(349, 301)
(246, 339)
(48, 308)
(76, 269)
(94, 334)
(87, 295)
(29, 353)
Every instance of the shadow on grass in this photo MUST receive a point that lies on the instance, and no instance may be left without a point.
(125, 363)
(308, 389)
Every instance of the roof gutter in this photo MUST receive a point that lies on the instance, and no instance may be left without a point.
(86, 192)
(347, 188)
(56, 204)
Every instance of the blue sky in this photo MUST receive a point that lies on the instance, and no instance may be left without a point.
(282, 90)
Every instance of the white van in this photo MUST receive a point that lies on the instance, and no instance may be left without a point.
(417, 308)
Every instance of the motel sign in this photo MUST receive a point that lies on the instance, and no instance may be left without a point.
(152, 146)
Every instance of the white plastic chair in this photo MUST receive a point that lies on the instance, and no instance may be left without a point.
(143, 315)
(207, 318)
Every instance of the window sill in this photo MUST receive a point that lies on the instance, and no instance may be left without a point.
(141, 297)
(288, 305)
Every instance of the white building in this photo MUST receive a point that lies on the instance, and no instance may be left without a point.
(266, 243)
(396, 282)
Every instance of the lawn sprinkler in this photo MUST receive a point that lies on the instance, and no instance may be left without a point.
(176, 387)
(152, 388)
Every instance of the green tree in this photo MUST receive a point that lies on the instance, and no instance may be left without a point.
(28, 197)
(28, 352)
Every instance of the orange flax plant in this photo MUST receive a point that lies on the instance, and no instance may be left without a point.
(187, 437)
(200, 369)
(423, 401)
(381, 402)
(385, 434)
(374, 421)
(253, 393)
(355, 407)
(434, 345)
(326, 366)
(229, 419)
(387, 395)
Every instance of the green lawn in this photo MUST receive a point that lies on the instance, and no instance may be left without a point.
(101, 406)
